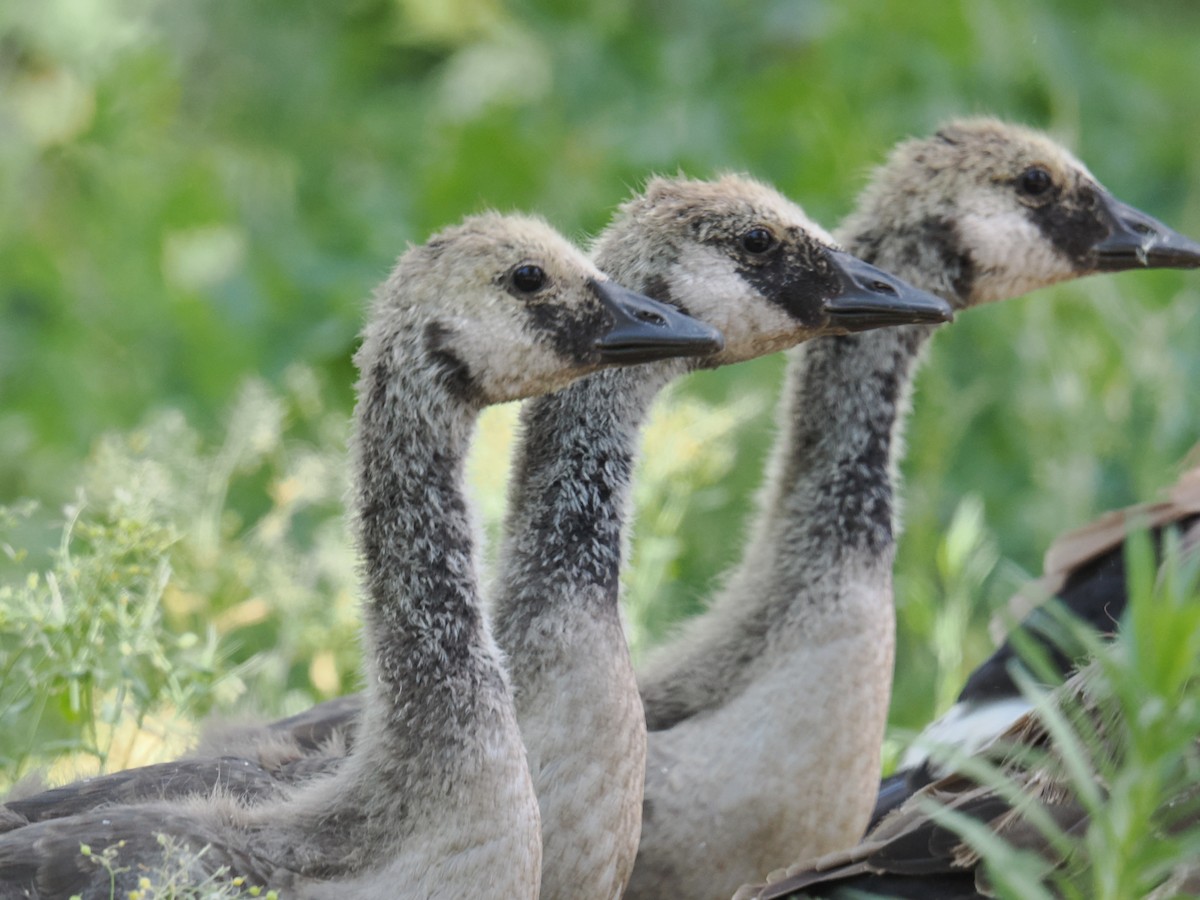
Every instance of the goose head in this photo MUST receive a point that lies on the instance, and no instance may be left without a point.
(503, 307)
(984, 210)
(739, 255)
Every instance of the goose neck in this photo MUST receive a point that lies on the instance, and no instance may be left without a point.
(842, 417)
(427, 646)
(569, 495)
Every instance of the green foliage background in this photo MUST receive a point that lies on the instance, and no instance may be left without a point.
(197, 192)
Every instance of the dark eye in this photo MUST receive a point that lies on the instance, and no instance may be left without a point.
(758, 240)
(1034, 181)
(528, 278)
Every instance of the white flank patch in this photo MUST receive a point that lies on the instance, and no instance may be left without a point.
(966, 727)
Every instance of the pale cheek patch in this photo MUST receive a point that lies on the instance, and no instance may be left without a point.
(708, 284)
(1011, 255)
(536, 370)
(507, 362)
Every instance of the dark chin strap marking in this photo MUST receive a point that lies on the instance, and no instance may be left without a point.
(1073, 224)
(658, 288)
(942, 235)
(455, 373)
(796, 278)
(570, 332)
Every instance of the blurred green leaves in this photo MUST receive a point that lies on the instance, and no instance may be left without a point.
(82, 647)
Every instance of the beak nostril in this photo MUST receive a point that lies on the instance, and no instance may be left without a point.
(650, 318)
(1142, 228)
(882, 287)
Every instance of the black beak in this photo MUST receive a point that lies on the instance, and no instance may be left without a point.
(871, 298)
(1138, 241)
(644, 330)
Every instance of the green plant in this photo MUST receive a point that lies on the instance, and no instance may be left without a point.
(1118, 746)
(82, 645)
(943, 611)
(182, 875)
(174, 566)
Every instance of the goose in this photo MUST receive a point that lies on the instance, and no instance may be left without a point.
(737, 254)
(435, 800)
(743, 258)
(1084, 570)
(767, 711)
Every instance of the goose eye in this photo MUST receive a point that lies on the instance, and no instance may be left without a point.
(528, 278)
(758, 240)
(1034, 181)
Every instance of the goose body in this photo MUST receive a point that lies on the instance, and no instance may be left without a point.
(435, 799)
(767, 711)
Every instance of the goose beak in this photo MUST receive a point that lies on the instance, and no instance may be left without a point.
(1139, 241)
(871, 298)
(644, 330)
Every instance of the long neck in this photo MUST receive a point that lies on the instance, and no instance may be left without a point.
(825, 525)
(834, 467)
(433, 677)
(563, 537)
(843, 416)
(435, 793)
(834, 464)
